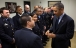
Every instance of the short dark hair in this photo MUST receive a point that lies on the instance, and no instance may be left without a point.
(32, 14)
(17, 7)
(23, 19)
(59, 5)
(3, 8)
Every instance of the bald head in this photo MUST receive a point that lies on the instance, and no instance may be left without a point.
(27, 8)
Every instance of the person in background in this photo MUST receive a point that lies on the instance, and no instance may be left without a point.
(16, 18)
(6, 29)
(63, 28)
(27, 10)
(25, 38)
(35, 7)
(36, 28)
(40, 22)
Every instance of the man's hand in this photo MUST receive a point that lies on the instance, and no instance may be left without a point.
(51, 35)
(47, 32)
(52, 17)
(44, 27)
(0, 46)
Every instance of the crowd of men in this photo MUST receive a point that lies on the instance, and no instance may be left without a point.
(31, 29)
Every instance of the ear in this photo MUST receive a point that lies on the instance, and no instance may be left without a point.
(1, 13)
(27, 22)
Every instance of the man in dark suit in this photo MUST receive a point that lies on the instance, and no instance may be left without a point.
(63, 28)
(6, 29)
(27, 10)
(41, 23)
(16, 18)
(25, 38)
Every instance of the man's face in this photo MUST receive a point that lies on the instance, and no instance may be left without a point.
(48, 11)
(31, 23)
(5, 13)
(19, 10)
(39, 11)
(27, 8)
(57, 11)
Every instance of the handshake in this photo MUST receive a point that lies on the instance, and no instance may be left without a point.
(50, 35)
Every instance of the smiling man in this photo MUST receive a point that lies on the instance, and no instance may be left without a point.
(63, 28)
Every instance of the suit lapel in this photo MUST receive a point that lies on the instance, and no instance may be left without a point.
(61, 22)
(54, 22)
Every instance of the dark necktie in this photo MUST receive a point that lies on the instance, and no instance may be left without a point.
(56, 23)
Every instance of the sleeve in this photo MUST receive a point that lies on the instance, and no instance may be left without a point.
(37, 43)
(4, 36)
(51, 29)
(16, 27)
(69, 31)
(0, 41)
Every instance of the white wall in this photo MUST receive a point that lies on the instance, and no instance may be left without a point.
(44, 3)
(70, 9)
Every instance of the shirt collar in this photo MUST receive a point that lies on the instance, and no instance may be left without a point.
(61, 16)
(20, 15)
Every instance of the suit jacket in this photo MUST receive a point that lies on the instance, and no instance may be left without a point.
(25, 12)
(48, 20)
(40, 24)
(17, 22)
(6, 32)
(25, 38)
(36, 29)
(64, 32)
